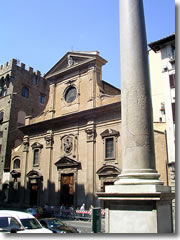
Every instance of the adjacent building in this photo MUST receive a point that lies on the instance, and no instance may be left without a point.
(22, 93)
(163, 75)
(162, 70)
(73, 148)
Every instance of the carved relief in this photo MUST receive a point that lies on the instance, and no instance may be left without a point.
(69, 145)
(26, 143)
(49, 139)
(91, 134)
(70, 61)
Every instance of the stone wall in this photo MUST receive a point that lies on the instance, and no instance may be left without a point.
(13, 77)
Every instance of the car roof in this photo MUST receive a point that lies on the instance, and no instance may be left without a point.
(12, 213)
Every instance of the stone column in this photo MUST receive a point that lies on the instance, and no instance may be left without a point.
(138, 157)
(137, 202)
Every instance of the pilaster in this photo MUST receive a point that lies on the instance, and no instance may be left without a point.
(49, 148)
(24, 169)
(91, 158)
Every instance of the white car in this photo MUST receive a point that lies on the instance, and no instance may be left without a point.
(12, 221)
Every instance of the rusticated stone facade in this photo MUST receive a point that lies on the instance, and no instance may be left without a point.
(73, 148)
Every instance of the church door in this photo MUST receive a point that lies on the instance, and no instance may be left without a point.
(34, 194)
(67, 189)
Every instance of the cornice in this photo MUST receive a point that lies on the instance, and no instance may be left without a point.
(63, 120)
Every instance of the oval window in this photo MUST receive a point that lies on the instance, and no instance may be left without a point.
(70, 94)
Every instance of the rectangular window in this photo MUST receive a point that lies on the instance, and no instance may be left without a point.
(35, 80)
(1, 116)
(25, 92)
(1, 134)
(42, 99)
(109, 147)
(173, 111)
(0, 148)
(173, 50)
(36, 157)
(172, 80)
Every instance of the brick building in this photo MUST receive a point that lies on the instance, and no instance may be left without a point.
(22, 93)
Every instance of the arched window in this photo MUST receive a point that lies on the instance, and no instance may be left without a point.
(16, 164)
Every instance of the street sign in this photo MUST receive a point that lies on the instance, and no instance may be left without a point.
(96, 220)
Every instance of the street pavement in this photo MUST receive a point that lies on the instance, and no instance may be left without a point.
(84, 226)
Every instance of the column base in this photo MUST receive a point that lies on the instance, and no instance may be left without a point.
(138, 176)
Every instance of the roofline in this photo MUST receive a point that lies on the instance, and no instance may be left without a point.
(156, 46)
(112, 86)
(94, 54)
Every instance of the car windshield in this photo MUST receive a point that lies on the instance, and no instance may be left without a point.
(30, 223)
(54, 223)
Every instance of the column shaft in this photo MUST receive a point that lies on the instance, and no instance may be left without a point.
(137, 120)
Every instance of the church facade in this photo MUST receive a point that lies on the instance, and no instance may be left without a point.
(73, 148)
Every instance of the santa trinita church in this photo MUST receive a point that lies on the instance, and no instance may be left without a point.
(71, 149)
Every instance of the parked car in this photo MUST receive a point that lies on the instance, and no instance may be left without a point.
(57, 226)
(9, 224)
(28, 223)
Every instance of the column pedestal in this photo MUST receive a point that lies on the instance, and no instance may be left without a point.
(137, 209)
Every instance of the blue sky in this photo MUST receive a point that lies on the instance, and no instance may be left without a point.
(40, 32)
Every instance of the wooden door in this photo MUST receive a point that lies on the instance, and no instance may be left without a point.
(67, 189)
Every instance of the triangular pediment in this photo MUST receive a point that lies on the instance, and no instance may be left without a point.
(70, 61)
(109, 132)
(108, 170)
(66, 162)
